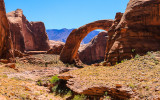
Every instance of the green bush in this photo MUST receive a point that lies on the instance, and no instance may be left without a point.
(54, 88)
(80, 97)
(137, 56)
(133, 50)
(156, 62)
(39, 82)
(106, 93)
(54, 79)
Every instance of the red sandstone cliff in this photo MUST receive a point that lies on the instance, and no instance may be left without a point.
(27, 35)
(6, 46)
(137, 31)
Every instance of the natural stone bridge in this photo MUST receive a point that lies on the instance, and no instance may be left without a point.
(75, 38)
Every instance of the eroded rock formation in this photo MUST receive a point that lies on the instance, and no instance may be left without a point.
(76, 84)
(6, 46)
(55, 47)
(94, 51)
(137, 31)
(70, 49)
(27, 35)
(41, 37)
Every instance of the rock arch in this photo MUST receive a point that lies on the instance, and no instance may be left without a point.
(75, 38)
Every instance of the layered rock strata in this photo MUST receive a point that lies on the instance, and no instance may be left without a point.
(6, 46)
(137, 31)
(30, 36)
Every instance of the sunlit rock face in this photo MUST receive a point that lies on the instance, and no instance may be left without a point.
(6, 46)
(55, 47)
(136, 33)
(94, 51)
(27, 35)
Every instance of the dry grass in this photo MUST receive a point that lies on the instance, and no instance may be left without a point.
(26, 89)
(141, 74)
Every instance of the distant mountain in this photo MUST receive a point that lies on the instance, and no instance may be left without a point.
(62, 34)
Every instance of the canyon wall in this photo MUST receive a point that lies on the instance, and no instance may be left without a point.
(6, 46)
(29, 36)
(136, 33)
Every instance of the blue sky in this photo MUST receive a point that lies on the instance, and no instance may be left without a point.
(57, 14)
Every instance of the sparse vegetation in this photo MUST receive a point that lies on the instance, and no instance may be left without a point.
(140, 74)
(80, 97)
(137, 56)
(135, 73)
(54, 79)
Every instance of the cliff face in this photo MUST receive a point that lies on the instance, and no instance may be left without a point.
(137, 31)
(6, 46)
(27, 35)
(41, 38)
(94, 51)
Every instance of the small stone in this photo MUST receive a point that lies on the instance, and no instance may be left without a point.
(118, 86)
(10, 65)
(5, 61)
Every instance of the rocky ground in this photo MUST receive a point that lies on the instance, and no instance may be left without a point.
(136, 78)
(20, 83)
(35, 78)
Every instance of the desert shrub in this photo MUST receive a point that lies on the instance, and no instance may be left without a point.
(39, 82)
(133, 50)
(54, 88)
(123, 60)
(80, 97)
(106, 93)
(54, 79)
(149, 53)
(156, 62)
(67, 65)
(131, 85)
(137, 56)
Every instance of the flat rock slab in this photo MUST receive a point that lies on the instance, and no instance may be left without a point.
(37, 74)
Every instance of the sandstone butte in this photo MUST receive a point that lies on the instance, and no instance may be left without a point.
(6, 46)
(27, 35)
(94, 51)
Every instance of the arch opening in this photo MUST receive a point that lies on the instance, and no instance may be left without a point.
(94, 51)
(90, 36)
(75, 38)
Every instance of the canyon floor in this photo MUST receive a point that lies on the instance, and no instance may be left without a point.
(31, 79)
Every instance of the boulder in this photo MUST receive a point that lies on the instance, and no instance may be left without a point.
(94, 51)
(10, 65)
(56, 47)
(136, 33)
(27, 35)
(6, 46)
